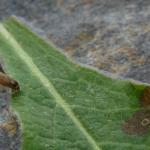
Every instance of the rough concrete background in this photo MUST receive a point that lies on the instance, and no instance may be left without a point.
(112, 35)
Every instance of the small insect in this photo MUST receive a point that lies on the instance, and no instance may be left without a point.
(7, 81)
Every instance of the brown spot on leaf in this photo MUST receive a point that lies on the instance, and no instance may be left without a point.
(138, 124)
(145, 99)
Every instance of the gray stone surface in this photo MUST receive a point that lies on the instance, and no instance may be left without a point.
(112, 35)
(10, 131)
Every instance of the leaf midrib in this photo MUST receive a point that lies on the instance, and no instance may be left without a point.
(46, 83)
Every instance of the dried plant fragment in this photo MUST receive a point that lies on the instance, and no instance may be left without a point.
(138, 124)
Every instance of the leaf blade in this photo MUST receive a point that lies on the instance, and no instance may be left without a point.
(73, 83)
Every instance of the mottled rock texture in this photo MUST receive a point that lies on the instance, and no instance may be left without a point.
(112, 35)
(10, 131)
(10, 127)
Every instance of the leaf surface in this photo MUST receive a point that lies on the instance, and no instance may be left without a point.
(62, 105)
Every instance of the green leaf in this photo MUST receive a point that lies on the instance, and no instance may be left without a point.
(62, 105)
